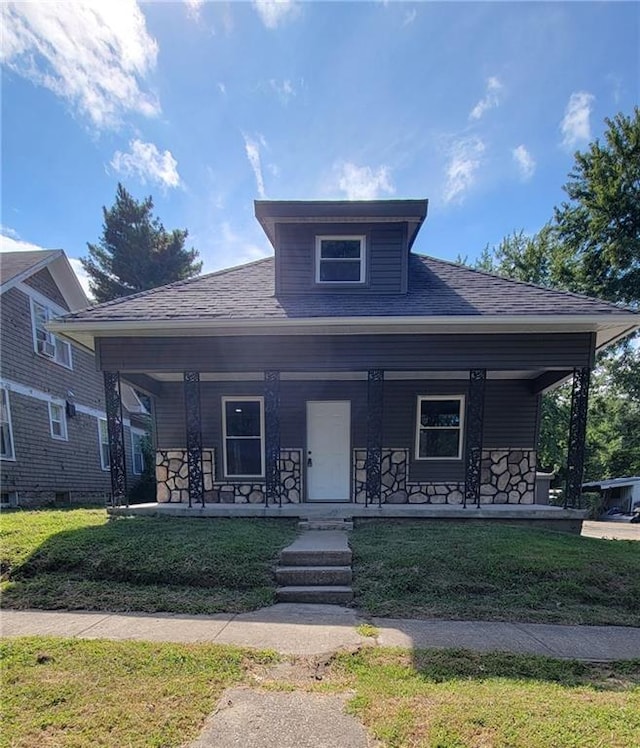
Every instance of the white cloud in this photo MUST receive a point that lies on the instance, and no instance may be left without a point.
(11, 242)
(145, 162)
(525, 162)
(575, 125)
(465, 160)
(409, 17)
(193, 9)
(222, 88)
(491, 99)
(275, 12)
(252, 149)
(284, 90)
(96, 55)
(363, 182)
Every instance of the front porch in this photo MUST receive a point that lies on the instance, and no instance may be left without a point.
(534, 514)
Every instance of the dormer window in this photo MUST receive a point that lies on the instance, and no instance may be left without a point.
(340, 259)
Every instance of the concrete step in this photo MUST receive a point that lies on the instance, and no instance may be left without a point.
(325, 524)
(315, 558)
(329, 595)
(313, 575)
(318, 548)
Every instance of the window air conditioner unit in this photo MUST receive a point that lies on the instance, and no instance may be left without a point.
(47, 348)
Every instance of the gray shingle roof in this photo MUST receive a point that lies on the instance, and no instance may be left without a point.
(436, 288)
(15, 263)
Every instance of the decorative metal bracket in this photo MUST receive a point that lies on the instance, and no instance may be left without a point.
(194, 436)
(375, 405)
(273, 490)
(577, 436)
(473, 436)
(115, 434)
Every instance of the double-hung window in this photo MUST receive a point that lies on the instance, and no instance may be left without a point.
(340, 259)
(103, 440)
(137, 453)
(439, 427)
(57, 421)
(243, 432)
(44, 342)
(6, 432)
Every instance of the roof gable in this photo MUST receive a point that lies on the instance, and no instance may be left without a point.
(16, 267)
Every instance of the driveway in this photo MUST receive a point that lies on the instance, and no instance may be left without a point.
(611, 530)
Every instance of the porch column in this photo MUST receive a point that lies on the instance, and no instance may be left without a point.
(115, 434)
(473, 436)
(375, 403)
(272, 436)
(191, 380)
(577, 436)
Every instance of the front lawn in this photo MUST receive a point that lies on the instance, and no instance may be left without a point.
(79, 559)
(102, 693)
(66, 692)
(494, 572)
(452, 699)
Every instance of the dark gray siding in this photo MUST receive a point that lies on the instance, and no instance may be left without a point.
(346, 352)
(510, 415)
(293, 398)
(43, 282)
(386, 257)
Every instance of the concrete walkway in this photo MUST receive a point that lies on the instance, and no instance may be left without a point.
(298, 629)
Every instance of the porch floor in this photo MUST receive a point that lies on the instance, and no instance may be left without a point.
(349, 511)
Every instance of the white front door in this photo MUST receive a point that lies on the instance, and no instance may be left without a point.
(328, 450)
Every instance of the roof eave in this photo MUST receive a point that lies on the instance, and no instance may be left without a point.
(608, 328)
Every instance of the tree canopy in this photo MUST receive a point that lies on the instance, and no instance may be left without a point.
(135, 252)
(591, 245)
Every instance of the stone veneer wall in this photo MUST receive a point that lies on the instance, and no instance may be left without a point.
(508, 477)
(173, 483)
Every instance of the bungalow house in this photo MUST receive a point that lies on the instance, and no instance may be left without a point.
(53, 427)
(347, 368)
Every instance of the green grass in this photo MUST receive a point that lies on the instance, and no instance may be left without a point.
(72, 693)
(494, 572)
(452, 699)
(75, 693)
(79, 559)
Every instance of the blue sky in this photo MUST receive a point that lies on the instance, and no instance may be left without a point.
(206, 106)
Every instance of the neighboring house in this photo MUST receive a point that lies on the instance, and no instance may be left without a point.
(349, 369)
(623, 493)
(53, 426)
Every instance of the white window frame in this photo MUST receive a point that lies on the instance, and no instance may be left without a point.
(58, 344)
(105, 465)
(419, 428)
(363, 258)
(243, 398)
(64, 437)
(135, 433)
(4, 394)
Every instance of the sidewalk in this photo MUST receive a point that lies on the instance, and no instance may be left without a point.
(298, 629)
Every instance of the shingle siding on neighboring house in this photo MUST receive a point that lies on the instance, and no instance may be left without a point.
(386, 262)
(43, 282)
(21, 363)
(44, 466)
(340, 352)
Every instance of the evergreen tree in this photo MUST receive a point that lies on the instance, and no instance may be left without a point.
(135, 252)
